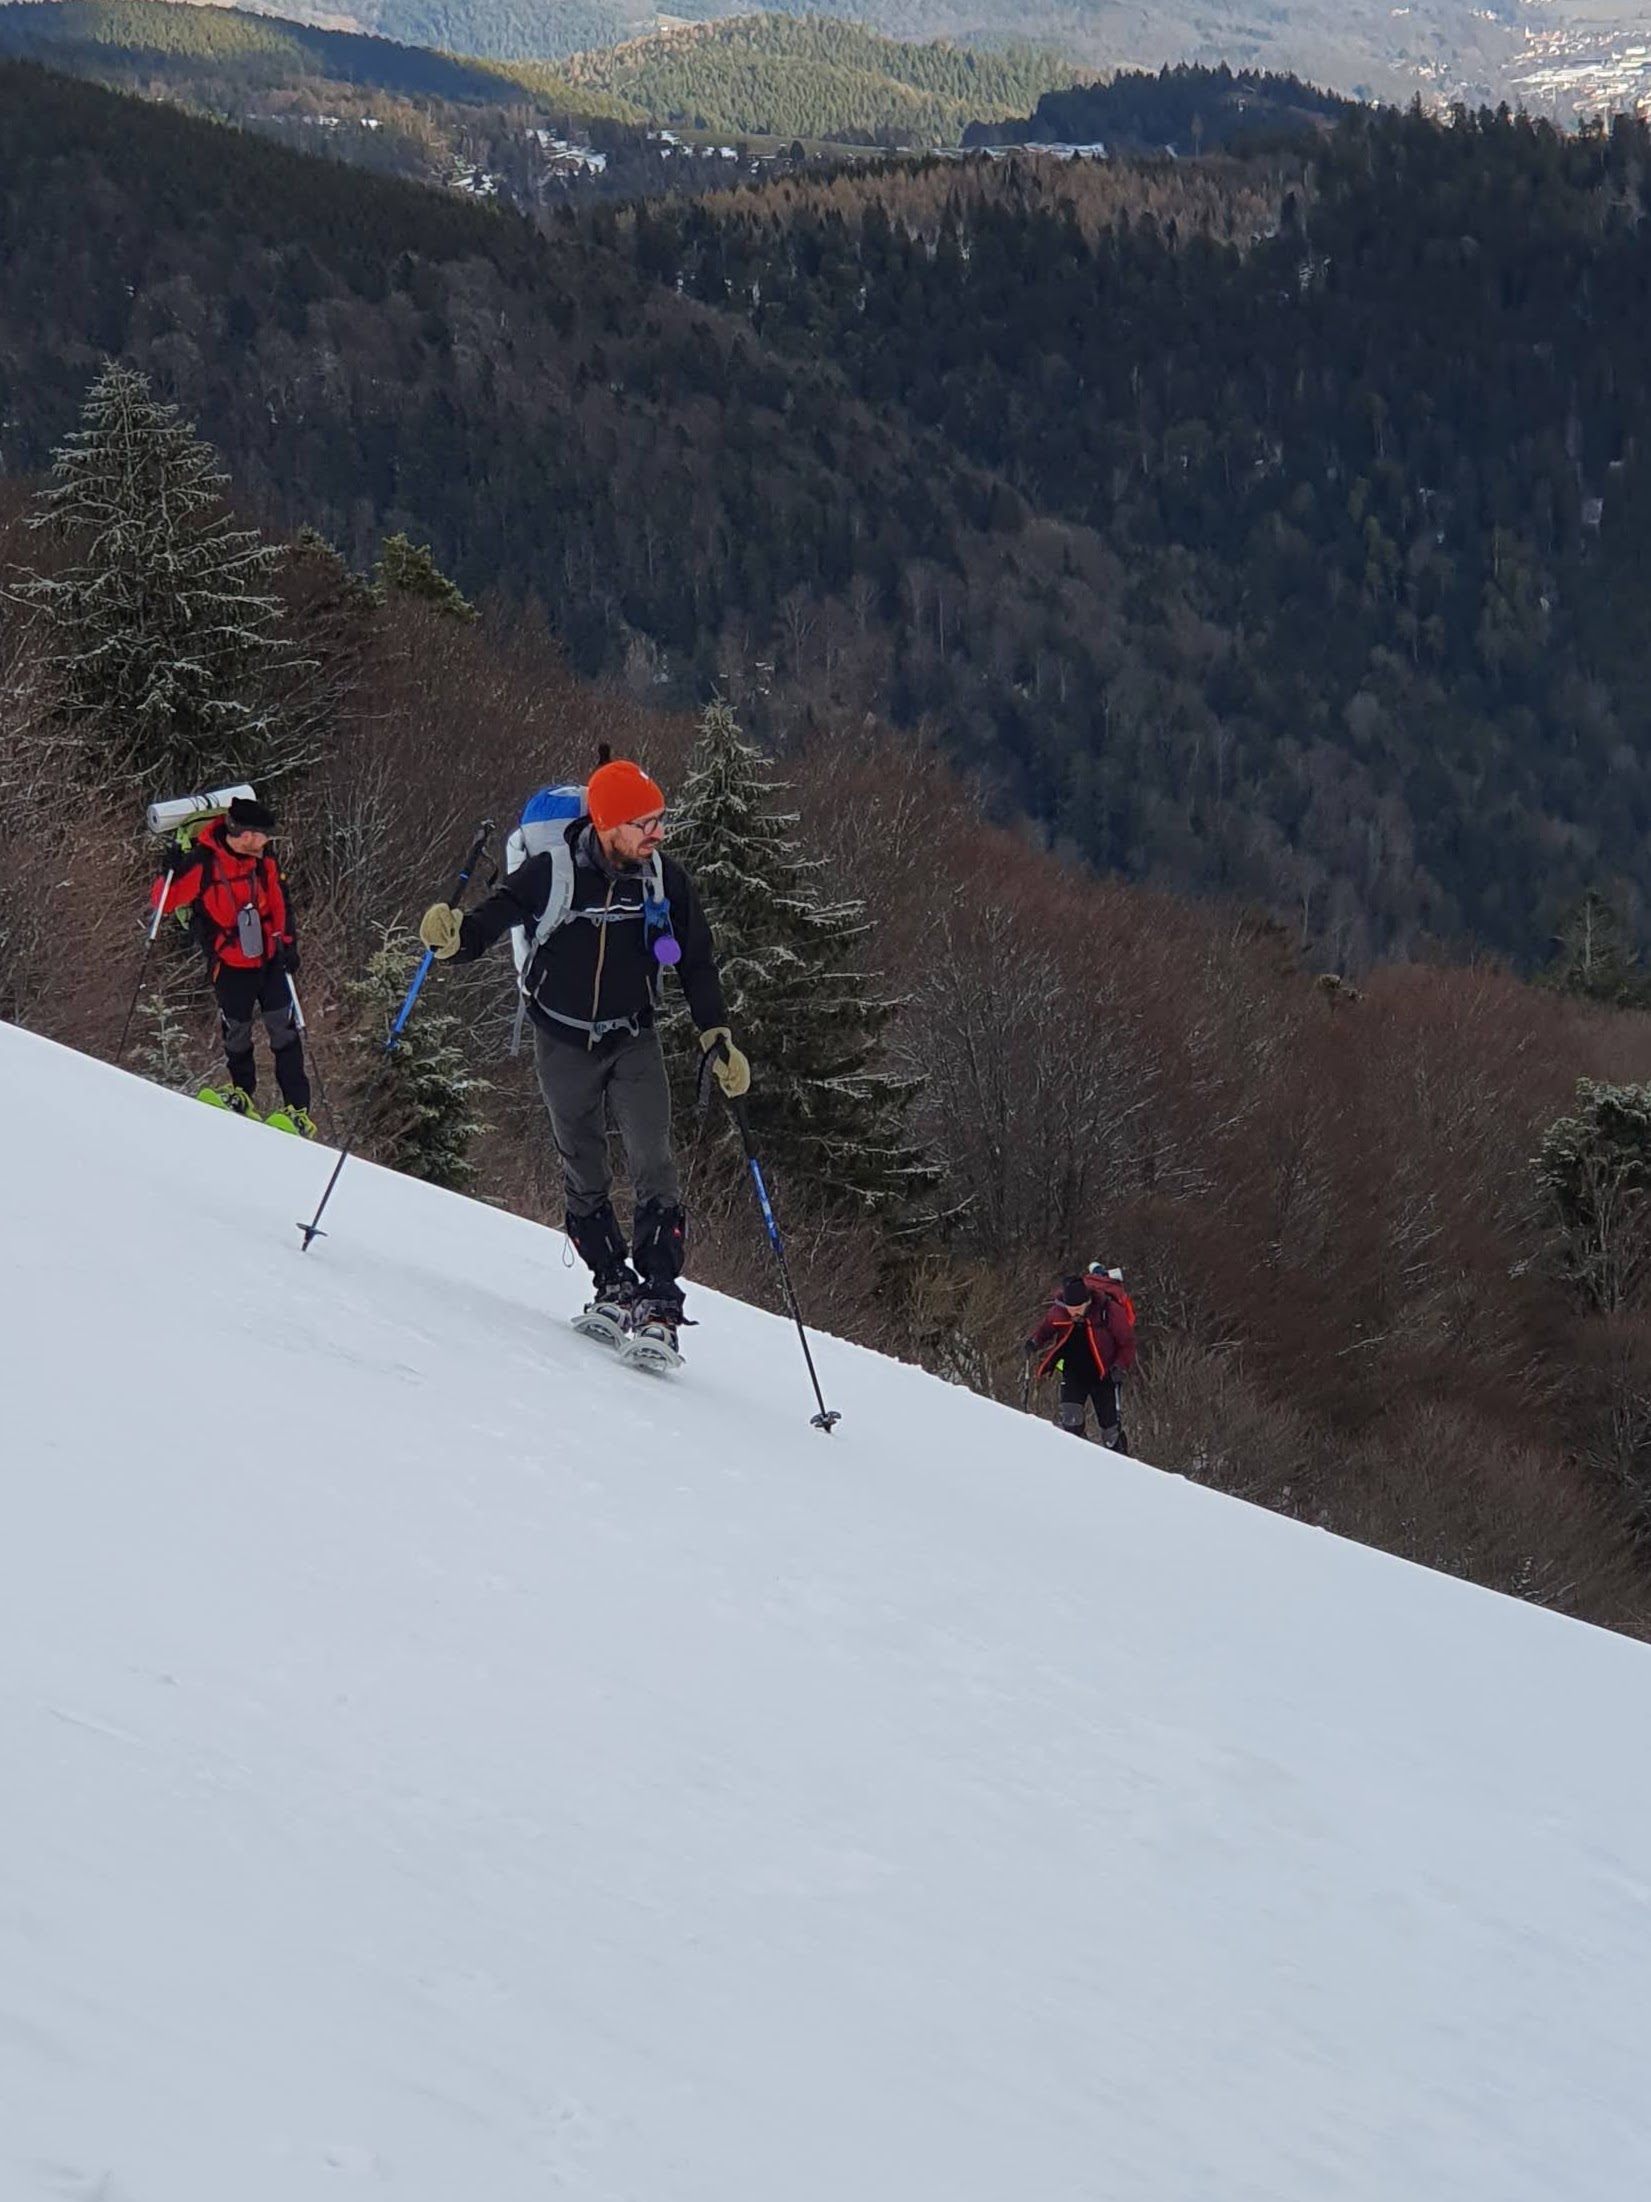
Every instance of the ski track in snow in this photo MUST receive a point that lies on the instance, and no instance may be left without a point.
(441, 1765)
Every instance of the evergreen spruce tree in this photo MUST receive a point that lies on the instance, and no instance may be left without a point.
(823, 1107)
(423, 1094)
(406, 568)
(165, 643)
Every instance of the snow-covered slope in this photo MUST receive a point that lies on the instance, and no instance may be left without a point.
(437, 1764)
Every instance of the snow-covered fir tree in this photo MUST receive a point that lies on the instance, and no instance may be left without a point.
(824, 1106)
(166, 650)
(421, 1097)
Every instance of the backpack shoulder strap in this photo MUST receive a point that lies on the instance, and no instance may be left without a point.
(558, 907)
(559, 902)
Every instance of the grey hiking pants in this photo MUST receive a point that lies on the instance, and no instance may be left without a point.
(584, 1088)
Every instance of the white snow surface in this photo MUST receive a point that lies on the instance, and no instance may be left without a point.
(438, 1764)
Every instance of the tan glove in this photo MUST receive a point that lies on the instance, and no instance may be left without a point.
(439, 930)
(728, 1066)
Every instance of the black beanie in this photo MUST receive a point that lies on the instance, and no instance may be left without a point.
(245, 815)
(1074, 1292)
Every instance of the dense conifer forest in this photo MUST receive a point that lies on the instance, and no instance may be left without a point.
(762, 76)
(1180, 110)
(782, 76)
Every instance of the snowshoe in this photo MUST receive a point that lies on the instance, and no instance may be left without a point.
(232, 1098)
(652, 1342)
(298, 1122)
(607, 1318)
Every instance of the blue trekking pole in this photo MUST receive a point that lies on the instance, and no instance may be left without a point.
(827, 1418)
(312, 1230)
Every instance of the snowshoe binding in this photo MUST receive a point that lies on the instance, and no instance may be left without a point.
(607, 1318)
(652, 1342)
(298, 1122)
(232, 1098)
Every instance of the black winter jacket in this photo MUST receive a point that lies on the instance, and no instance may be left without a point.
(572, 974)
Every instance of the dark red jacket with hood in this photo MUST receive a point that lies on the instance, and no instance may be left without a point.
(1105, 1331)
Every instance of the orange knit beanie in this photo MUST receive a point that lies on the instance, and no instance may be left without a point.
(620, 792)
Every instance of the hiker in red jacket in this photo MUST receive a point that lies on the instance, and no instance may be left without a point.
(244, 924)
(1088, 1335)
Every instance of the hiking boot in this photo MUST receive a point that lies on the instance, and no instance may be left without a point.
(237, 1100)
(657, 1320)
(302, 1123)
(614, 1298)
(652, 1342)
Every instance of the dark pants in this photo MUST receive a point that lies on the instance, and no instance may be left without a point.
(1079, 1389)
(584, 1088)
(241, 995)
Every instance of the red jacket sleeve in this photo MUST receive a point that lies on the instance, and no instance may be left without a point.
(185, 883)
(280, 917)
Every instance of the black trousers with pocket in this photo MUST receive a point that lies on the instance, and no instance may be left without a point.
(242, 995)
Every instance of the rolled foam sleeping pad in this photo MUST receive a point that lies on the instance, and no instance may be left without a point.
(169, 816)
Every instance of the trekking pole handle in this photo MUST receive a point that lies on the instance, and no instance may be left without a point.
(478, 849)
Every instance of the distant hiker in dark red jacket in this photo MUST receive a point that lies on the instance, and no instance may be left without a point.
(1088, 1336)
(244, 923)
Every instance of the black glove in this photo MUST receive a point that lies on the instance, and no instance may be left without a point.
(286, 958)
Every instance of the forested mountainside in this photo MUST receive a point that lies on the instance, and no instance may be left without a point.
(428, 118)
(533, 133)
(1274, 528)
(1445, 48)
(1183, 110)
(1375, 482)
(760, 76)
(811, 78)
(170, 37)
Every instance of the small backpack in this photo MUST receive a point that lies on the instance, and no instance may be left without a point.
(1116, 1309)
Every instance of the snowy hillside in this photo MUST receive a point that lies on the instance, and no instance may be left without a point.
(440, 1765)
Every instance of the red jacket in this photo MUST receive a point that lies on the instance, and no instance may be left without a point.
(1105, 1331)
(222, 885)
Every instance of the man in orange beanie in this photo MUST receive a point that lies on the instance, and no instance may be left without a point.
(608, 913)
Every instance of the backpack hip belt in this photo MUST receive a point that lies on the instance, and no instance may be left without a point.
(598, 1028)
